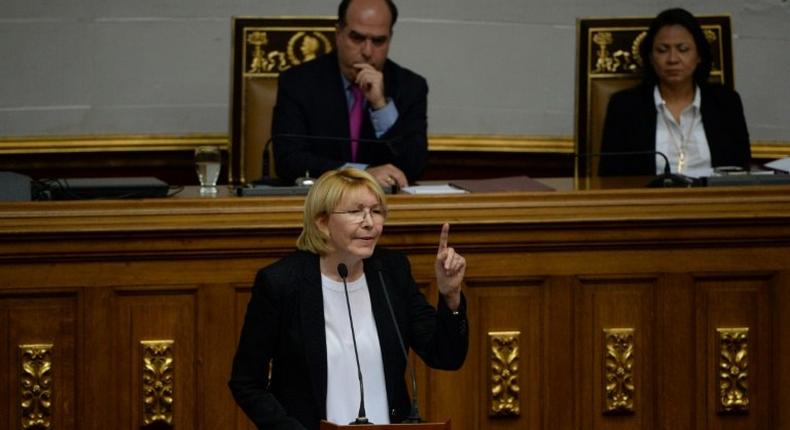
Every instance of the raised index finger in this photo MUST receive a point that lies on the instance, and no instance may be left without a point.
(443, 237)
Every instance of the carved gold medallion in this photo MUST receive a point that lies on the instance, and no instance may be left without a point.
(503, 356)
(733, 370)
(158, 381)
(36, 396)
(618, 370)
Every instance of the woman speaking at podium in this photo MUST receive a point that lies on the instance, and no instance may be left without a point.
(319, 324)
(675, 110)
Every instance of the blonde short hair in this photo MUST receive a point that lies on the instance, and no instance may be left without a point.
(323, 198)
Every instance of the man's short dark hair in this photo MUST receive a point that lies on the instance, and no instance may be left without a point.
(343, 7)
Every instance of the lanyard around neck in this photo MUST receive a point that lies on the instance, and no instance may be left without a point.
(683, 138)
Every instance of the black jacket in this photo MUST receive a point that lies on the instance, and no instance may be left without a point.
(311, 101)
(631, 126)
(285, 324)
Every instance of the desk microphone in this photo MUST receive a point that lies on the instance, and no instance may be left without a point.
(342, 270)
(664, 180)
(414, 414)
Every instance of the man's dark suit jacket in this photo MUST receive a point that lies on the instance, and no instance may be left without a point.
(285, 324)
(311, 101)
(631, 126)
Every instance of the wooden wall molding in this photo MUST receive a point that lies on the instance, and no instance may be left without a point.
(766, 149)
(109, 143)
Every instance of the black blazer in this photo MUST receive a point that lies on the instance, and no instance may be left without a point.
(631, 126)
(285, 324)
(311, 101)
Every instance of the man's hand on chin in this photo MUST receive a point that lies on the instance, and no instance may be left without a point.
(371, 81)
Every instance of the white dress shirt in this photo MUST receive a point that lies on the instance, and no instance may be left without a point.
(342, 388)
(685, 138)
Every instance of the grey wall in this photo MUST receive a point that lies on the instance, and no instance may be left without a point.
(81, 67)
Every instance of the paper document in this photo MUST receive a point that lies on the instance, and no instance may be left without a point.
(782, 164)
(432, 189)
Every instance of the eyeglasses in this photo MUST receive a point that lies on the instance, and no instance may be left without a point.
(359, 214)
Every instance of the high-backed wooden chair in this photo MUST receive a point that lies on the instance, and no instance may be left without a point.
(608, 60)
(261, 49)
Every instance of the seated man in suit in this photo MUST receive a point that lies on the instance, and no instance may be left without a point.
(354, 106)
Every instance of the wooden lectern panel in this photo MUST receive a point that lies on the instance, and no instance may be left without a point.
(587, 310)
(325, 425)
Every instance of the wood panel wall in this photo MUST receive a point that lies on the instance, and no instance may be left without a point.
(552, 278)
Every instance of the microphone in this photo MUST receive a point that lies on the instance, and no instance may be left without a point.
(342, 270)
(665, 180)
(414, 414)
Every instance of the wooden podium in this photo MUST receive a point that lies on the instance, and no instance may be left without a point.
(98, 288)
(325, 425)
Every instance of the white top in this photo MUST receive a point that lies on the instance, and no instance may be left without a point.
(342, 387)
(683, 143)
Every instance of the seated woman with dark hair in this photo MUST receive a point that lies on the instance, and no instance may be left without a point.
(675, 110)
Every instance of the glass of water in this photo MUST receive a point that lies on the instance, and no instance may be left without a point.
(208, 162)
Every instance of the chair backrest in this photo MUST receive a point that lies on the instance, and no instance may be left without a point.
(608, 60)
(261, 49)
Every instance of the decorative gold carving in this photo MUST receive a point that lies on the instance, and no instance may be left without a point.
(311, 44)
(710, 35)
(603, 39)
(618, 370)
(287, 47)
(620, 61)
(618, 49)
(504, 397)
(733, 370)
(635, 49)
(260, 62)
(158, 381)
(36, 386)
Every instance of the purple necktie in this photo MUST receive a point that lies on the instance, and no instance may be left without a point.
(355, 120)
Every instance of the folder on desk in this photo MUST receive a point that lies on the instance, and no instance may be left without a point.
(271, 190)
(507, 184)
(106, 188)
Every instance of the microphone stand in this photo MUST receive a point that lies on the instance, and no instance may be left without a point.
(414, 413)
(267, 160)
(669, 179)
(664, 180)
(342, 270)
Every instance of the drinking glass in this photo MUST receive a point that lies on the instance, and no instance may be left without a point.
(208, 162)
